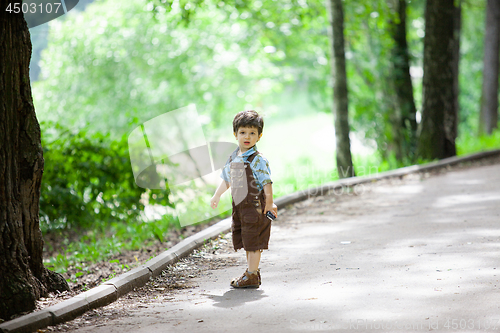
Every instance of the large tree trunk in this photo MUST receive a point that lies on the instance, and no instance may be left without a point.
(488, 119)
(438, 134)
(405, 129)
(340, 98)
(23, 278)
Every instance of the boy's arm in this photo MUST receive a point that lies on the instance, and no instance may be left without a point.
(223, 186)
(270, 206)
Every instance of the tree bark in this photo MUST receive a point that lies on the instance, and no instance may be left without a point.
(488, 119)
(340, 98)
(437, 136)
(23, 278)
(405, 129)
(451, 119)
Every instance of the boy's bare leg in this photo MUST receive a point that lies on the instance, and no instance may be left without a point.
(253, 259)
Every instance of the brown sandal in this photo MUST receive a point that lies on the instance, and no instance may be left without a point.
(247, 280)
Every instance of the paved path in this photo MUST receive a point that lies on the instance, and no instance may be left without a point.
(419, 256)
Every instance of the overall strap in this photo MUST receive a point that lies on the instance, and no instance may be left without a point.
(253, 191)
(251, 157)
(233, 155)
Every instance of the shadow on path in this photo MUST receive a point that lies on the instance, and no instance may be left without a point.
(236, 297)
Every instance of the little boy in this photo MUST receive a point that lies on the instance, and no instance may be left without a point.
(247, 173)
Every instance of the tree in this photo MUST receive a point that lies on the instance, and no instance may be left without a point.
(488, 119)
(145, 63)
(406, 127)
(439, 113)
(452, 119)
(340, 94)
(23, 278)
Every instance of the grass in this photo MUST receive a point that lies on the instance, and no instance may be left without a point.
(468, 144)
(95, 245)
(100, 244)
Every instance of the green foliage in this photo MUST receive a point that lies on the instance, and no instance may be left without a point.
(139, 59)
(87, 180)
(471, 66)
(114, 63)
(468, 143)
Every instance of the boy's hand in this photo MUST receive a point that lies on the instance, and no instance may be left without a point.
(214, 202)
(271, 208)
(275, 210)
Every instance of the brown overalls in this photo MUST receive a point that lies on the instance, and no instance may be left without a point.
(251, 229)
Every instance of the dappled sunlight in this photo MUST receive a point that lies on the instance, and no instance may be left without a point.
(485, 232)
(450, 219)
(470, 182)
(406, 189)
(308, 238)
(461, 199)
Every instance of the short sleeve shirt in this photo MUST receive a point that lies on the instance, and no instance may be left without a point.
(260, 167)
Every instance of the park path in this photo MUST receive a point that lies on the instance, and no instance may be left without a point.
(411, 255)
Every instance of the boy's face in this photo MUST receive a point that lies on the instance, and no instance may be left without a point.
(247, 137)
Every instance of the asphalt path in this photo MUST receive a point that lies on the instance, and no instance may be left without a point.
(421, 255)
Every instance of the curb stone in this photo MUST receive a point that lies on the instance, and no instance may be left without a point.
(111, 290)
(68, 309)
(134, 278)
(99, 296)
(28, 323)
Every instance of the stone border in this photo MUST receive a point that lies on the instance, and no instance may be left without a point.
(111, 290)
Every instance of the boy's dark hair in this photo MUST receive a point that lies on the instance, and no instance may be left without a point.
(248, 118)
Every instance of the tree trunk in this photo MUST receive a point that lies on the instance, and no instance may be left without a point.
(451, 120)
(405, 129)
(488, 119)
(437, 138)
(23, 278)
(340, 99)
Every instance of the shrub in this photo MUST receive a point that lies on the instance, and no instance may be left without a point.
(88, 181)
